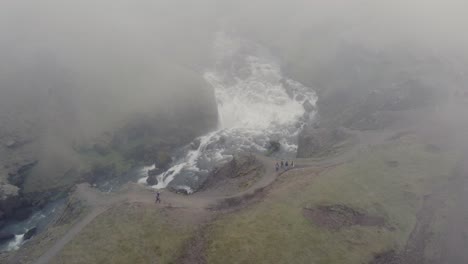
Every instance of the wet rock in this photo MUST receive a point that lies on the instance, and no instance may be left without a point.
(163, 160)
(179, 190)
(22, 214)
(195, 144)
(273, 146)
(4, 236)
(30, 233)
(240, 166)
(152, 180)
(17, 175)
(9, 199)
(288, 88)
(154, 172)
(300, 97)
(308, 106)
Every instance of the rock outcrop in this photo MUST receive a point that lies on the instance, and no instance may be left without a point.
(316, 141)
(18, 173)
(236, 175)
(9, 200)
(152, 180)
(30, 233)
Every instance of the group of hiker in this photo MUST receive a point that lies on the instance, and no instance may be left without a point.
(284, 165)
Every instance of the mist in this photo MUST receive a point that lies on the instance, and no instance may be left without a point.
(101, 87)
(107, 59)
(72, 70)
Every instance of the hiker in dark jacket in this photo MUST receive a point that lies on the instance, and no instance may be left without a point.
(158, 198)
(282, 164)
(286, 165)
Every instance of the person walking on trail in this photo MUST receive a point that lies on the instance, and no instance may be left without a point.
(286, 165)
(158, 198)
(282, 163)
(277, 166)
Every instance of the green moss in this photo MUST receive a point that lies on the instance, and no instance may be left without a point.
(91, 158)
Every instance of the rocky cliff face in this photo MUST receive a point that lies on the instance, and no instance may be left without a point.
(316, 141)
(9, 201)
(44, 150)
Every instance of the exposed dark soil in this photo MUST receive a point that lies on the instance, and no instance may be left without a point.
(238, 202)
(338, 216)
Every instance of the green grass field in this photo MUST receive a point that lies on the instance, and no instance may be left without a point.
(275, 230)
(127, 234)
(389, 181)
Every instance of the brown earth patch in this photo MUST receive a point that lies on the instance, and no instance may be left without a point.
(388, 257)
(338, 216)
(238, 202)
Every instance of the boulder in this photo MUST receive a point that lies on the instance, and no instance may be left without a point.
(308, 106)
(163, 160)
(300, 97)
(179, 190)
(6, 236)
(30, 233)
(195, 144)
(273, 146)
(152, 180)
(9, 199)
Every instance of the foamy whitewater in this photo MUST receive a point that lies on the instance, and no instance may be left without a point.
(256, 104)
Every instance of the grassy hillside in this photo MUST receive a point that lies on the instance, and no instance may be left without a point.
(389, 181)
(129, 233)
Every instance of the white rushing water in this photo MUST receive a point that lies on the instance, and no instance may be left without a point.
(256, 104)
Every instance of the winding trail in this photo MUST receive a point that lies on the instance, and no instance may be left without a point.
(99, 202)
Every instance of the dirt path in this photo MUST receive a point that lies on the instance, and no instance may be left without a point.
(100, 202)
(58, 246)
